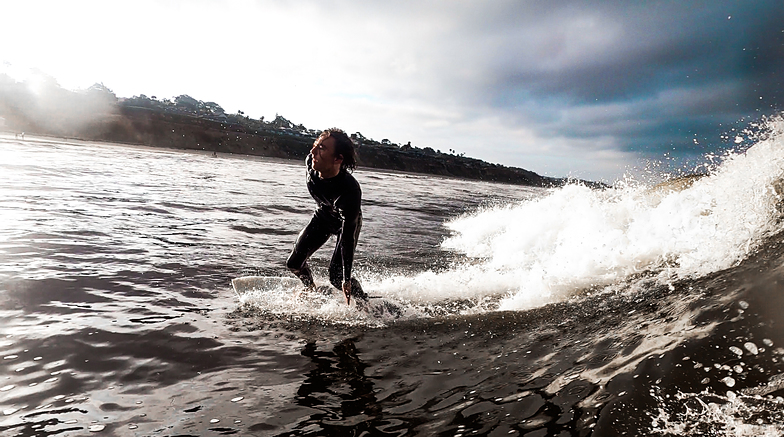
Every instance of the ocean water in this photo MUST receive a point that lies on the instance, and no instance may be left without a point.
(635, 310)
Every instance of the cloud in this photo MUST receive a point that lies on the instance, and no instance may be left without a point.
(585, 77)
(556, 87)
(649, 77)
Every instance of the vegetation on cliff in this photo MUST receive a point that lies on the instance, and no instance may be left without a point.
(187, 123)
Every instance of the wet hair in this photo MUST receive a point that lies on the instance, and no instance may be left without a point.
(343, 147)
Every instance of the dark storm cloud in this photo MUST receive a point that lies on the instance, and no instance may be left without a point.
(652, 75)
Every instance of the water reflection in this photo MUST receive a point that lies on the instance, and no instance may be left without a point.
(338, 387)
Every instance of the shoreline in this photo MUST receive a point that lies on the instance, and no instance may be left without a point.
(139, 126)
(43, 138)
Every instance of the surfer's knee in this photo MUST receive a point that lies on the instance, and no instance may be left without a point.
(294, 265)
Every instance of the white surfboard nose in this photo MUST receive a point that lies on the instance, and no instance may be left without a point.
(263, 283)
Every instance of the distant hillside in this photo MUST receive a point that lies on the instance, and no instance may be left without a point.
(187, 123)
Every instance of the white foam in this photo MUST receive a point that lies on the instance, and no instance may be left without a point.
(284, 300)
(705, 413)
(576, 239)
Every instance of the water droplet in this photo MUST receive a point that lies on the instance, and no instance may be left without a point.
(729, 381)
(214, 420)
(751, 347)
(767, 342)
(743, 304)
(736, 350)
(11, 357)
(38, 358)
(132, 426)
(8, 387)
(10, 411)
(237, 399)
(96, 428)
(738, 369)
(705, 380)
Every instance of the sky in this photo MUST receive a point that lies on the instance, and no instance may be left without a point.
(587, 89)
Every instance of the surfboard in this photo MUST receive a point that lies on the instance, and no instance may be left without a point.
(375, 305)
(264, 283)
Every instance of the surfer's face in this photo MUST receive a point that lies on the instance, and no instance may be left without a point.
(324, 159)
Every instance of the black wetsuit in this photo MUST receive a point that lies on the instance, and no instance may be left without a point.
(338, 213)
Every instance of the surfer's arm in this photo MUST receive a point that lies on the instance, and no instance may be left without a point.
(352, 217)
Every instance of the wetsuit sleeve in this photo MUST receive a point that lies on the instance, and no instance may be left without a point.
(351, 224)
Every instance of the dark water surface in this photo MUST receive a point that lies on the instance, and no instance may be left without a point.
(117, 316)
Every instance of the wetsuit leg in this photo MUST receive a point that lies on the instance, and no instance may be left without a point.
(309, 240)
(336, 266)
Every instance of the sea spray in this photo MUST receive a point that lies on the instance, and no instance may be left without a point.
(576, 239)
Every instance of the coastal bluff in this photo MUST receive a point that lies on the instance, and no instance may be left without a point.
(148, 127)
(96, 114)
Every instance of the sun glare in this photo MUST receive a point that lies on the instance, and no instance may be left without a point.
(35, 80)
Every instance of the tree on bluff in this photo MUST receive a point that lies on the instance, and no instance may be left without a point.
(281, 123)
(94, 102)
(99, 91)
(213, 108)
(188, 103)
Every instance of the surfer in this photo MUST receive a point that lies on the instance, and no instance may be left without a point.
(338, 197)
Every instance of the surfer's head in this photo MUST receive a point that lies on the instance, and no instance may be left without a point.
(344, 147)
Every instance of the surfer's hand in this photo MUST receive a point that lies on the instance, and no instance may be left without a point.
(347, 291)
